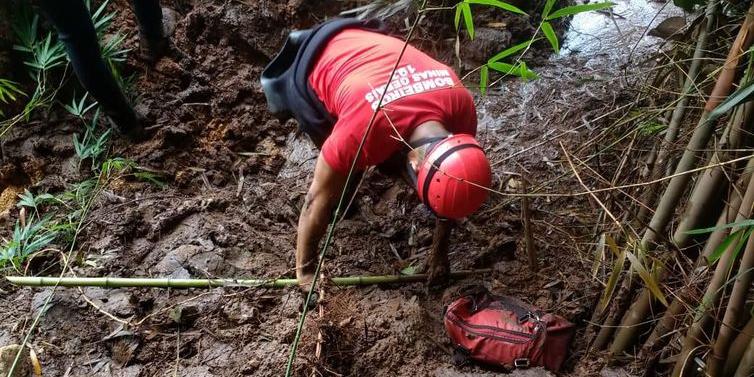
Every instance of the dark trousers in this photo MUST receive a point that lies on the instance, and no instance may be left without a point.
(75, 29)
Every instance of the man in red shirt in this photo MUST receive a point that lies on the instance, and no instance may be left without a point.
(332, 79)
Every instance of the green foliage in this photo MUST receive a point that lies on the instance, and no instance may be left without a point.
(484, 75)
(93, 144)
(29, 200)
(8, 92)
(80, 108)
(46, 55)
(463, 9)
(26, 239)
(743, 94)
(740, 237)
(549, 33)
(651, 127)
(519, 67)
(576, 9)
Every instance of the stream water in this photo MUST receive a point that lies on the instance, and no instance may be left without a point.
(601, 54)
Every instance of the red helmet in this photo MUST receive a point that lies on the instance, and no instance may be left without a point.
(453, 177)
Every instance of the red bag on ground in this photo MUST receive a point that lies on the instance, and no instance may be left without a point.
(503, 331)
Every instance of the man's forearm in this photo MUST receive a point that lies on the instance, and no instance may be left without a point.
(312, 225)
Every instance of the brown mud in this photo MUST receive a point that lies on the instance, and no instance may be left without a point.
(236, 181)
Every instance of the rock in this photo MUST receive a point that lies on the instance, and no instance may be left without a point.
(8, 355)
(670, 28)
(120, 303)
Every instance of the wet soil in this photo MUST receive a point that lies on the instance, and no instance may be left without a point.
(236, 181)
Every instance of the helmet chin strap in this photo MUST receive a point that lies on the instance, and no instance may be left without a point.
(432, 141)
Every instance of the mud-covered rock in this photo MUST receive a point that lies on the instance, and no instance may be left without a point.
(8, 355)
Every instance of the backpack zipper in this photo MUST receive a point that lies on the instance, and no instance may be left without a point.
(468, 326)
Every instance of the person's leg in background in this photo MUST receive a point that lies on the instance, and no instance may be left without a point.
(76, 31)
(153, 36)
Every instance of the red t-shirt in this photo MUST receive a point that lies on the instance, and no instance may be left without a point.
(349, 77)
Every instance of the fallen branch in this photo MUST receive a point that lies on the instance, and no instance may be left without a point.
(120, 282)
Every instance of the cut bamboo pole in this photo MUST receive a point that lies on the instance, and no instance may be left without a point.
(120, 282)
(689, 86)
(733, 312)
(701, 135)
(738, 347)
(695, 335)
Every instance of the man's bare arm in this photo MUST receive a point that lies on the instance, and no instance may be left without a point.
(321, 199)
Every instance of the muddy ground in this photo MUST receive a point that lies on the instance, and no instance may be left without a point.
(236, 181)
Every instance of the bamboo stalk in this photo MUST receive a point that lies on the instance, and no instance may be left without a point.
(706, 198)
(738, 347)
(661, 156)
(746, 366)
(670, 319)
(733, 312)
(673, 193)
(120, 282)
(695, 335)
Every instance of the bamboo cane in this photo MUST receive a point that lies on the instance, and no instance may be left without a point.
(738, 347)
(706, 198)
(694, 337)
(673, 193)
(642, 306)
(120, 282)
(733, 312)
(660, 159)
(676, 187)
(658, 338)
(746, 366)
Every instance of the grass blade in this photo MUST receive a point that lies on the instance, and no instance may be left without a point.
(498, 4)
(575, 9)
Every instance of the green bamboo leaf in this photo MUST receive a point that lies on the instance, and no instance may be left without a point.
(551, 36)
(498, 4)
(484, 74)
(575, 9)
(518, 70)
(718, 252)
(740, 236)
(612, 281)
(741, 224)
(511, 50)
(548, 7)
(740, 96)
(468, 19)
(649, 280)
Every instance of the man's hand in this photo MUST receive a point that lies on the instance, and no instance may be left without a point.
(438, 265)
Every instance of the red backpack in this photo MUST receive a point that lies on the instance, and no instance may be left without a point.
(505, 332)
